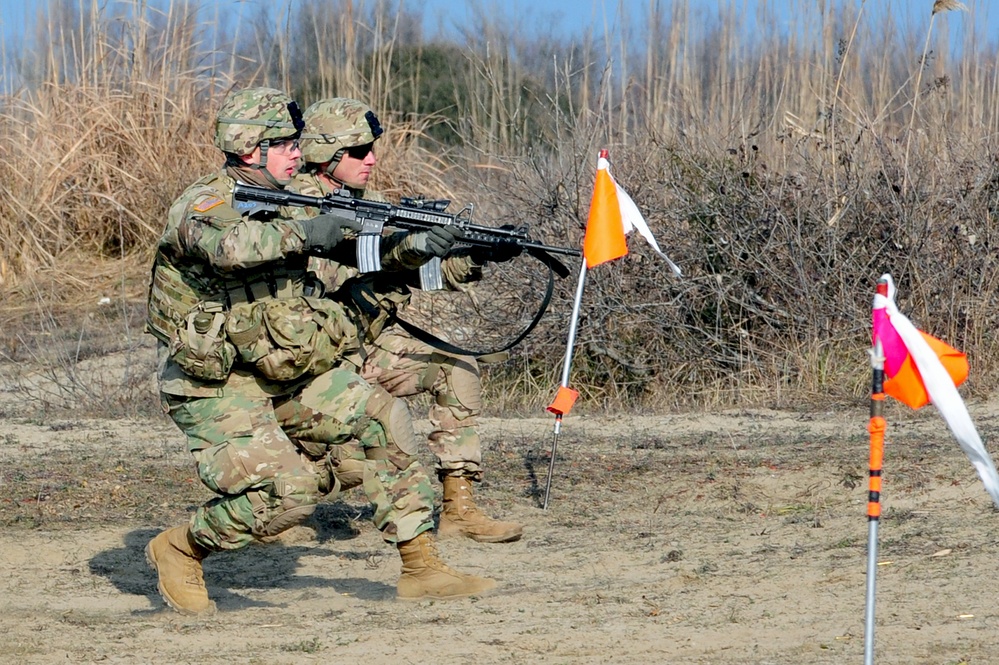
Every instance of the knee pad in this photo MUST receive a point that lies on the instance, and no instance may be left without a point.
(395, 420)
(284, 521)
(462, 392)
(280, 509)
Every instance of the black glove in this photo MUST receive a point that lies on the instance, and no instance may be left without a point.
(323, 233)
(502, 250)
(435, 242)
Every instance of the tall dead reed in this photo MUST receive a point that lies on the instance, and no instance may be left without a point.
(784, 159)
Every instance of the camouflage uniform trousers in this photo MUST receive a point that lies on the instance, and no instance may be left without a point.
(405, 366)
(263, 455)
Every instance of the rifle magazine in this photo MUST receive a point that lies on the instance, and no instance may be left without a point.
(431, 277)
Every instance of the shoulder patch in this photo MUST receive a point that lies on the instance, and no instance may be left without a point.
(207, 203)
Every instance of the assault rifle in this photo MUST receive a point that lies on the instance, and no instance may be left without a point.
(410, 214)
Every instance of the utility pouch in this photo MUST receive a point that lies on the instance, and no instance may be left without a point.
(199, 345)
(289, 338)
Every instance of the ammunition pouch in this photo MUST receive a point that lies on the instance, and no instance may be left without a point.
(373, 302)
(290, 338)
(199, 345)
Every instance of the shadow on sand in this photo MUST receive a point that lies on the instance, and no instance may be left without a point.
(271, 565)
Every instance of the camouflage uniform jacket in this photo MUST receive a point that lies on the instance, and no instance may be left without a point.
(215, 249)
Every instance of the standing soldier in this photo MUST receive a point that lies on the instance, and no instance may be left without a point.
(338, 151)
(248, 369)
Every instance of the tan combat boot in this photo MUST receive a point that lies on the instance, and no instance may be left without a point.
(176, 558)
(424, 575)
(460, 516)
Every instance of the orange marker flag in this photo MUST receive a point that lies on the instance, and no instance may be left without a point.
(903, 380)
(613, 215)
(604, 239)
(907, 385)
(923, 369)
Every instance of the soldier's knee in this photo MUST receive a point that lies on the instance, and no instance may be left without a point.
(462, 391)
(394, 418)
(281, 508)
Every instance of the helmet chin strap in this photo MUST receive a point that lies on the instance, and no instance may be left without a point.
(262, 166)
(356, 192)
(329, 174)
(332, 164)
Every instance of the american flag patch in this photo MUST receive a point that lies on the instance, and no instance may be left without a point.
(208, 203)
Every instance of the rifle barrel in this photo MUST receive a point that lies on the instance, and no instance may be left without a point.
(564, 251)
(281, 197)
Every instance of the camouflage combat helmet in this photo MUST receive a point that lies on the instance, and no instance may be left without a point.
(252, 115)
(333, 125)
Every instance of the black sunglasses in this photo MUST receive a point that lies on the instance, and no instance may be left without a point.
(360, 151)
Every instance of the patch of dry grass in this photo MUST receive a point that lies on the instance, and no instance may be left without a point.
(68, 489)
(784, 172)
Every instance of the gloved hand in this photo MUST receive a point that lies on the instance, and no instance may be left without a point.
(324, 232)
(502, 250)
(435, 242)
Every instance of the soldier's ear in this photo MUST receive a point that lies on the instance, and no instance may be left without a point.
(251, 158)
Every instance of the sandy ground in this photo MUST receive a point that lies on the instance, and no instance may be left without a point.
(725, 538)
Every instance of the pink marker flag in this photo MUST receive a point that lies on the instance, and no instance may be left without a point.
(922, 369)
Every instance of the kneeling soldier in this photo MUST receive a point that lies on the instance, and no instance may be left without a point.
(250, 370)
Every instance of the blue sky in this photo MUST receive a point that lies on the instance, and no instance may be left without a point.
(581, 14)
(576, 16)
(570, 15)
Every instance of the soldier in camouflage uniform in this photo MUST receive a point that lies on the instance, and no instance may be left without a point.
(271, 447)
(338, 150)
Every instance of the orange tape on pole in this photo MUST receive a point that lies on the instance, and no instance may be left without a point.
(876, 427)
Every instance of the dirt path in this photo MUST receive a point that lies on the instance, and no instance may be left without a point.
(725, 539)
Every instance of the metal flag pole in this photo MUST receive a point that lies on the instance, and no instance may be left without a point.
(876, 427)
(566, 396)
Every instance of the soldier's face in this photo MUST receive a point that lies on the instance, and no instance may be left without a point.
(283, 159)
(355, 166)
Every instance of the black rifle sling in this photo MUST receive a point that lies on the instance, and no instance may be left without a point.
(553, 264)
(447, 347)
